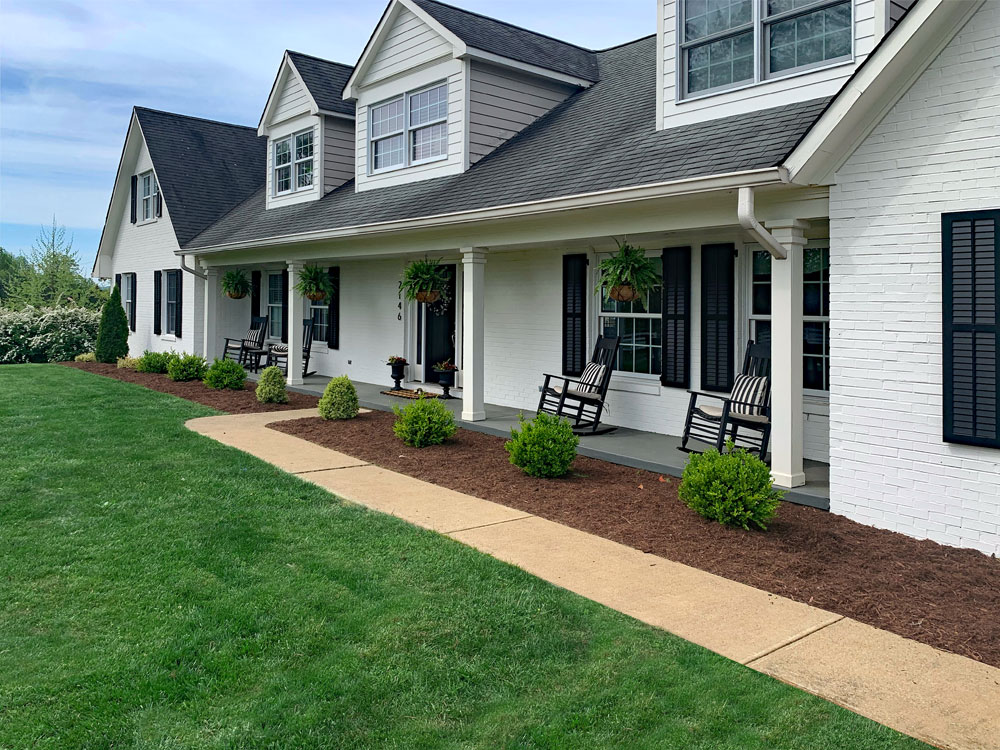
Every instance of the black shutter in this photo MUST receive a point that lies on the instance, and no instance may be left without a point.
(118, 283)
(676, 312)
(254, 294)
(157, 302)
(159, 203)
(717, 325)
(135, 296)
(179, 307)
(574, 314)
(971, 270)
(133, 197)
(333, 318)
(284, 307)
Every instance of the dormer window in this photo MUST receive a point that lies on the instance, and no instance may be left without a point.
(719, 39)
(293, 163)
(410, 129)
(149, 191)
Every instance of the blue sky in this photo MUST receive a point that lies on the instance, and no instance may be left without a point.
(71, 72)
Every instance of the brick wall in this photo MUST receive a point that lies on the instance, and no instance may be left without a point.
(937, 150)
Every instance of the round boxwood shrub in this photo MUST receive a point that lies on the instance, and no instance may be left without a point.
(340, 399)
(734, 488)
(155, 362)
(186, 367)
(271, 386)
(112, 333)
(426, 421)
(225, 373)
(543, 447)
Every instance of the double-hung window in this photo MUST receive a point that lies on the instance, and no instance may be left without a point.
(173, 281)
(275, 304)
(293, 163)
(639, 324)
(148, 191)
(727, 43)
(411, 129)
(815, 312)
(319, 312)
(128, 296)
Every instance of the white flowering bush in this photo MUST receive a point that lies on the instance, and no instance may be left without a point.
(46, 334)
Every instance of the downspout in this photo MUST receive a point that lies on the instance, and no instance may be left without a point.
(184, 267)
(749, 222)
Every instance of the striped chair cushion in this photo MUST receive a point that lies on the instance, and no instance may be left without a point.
(279, 348)
(590, 381)
(749, 395)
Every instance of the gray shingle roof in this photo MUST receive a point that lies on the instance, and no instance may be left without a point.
(601, 138)
(513, 42)
(204, 167)
(325, 80)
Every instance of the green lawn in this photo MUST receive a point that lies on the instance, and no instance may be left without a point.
(160, 590)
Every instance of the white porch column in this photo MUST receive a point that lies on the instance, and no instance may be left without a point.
(296, 312)
(473, 333)
(786, 354)
(211, 329)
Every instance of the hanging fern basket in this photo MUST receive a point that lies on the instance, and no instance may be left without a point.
(235, 295)
(623, 293)
(316, 296)
(428, 298)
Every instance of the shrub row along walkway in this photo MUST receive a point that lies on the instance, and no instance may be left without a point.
(948, 700)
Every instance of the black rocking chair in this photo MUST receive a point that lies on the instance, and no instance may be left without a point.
(247, 351)
(744, 416)
(278, 353)
(581, 400)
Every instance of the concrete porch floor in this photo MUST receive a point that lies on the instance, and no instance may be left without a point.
(642, 450)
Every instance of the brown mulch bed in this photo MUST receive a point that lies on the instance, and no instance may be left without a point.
(946, 597)
(233, 402)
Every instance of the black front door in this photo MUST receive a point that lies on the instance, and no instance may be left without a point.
(439, 328)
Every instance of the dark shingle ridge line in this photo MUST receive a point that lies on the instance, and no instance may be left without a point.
(193, 117)
(511, 25)
(346, 66)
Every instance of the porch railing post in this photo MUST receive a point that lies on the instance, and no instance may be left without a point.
(473, 333)
(296, 313)
(210, 344)
(786, 354)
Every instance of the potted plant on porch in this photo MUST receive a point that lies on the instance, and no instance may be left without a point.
(235, 284)
(424, 280)
(398, 365)
(446, 376)
(627, 275)
(314, 283)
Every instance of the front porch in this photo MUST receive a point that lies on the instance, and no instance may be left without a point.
(651, 451)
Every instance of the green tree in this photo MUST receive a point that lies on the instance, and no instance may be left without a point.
(12, 268)
(50, 276)
(112, 335)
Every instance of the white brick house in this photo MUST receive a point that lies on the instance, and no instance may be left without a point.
(818, 166)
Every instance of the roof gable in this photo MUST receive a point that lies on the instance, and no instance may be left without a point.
(289, 97)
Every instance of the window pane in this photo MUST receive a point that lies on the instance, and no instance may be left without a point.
(720, 63)
(430, 142)
(810, 38)
(812, 373)
(304, 173)
(282, 152)
(762, 332)
(319, 318)
(813, 338)
(283, 179)
(303, 146)
(428, 106)
(274, 290)
(705, 17)
(274, 322)
(387, 118)
(389, 152)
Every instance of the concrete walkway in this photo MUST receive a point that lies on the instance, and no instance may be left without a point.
(946, 700)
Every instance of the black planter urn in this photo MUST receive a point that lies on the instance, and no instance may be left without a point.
(446, 379)
(397, 373)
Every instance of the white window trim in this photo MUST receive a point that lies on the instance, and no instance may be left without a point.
(292, 165)
(760, 26)
(167, 320)
(747, 288)
(152, 197)
(406, 131)
(268, 305)
(620, 378)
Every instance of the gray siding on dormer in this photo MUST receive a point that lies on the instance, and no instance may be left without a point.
(338, 152)
(503, 102)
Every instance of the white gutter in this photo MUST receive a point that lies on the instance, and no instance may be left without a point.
(616, 196)
(184, 267)
(749, 222)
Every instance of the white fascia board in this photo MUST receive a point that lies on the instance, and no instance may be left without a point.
(107, 241)
(286, 68)
(477, 54)
(384, 24)
(616, 196)
(876, 87)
